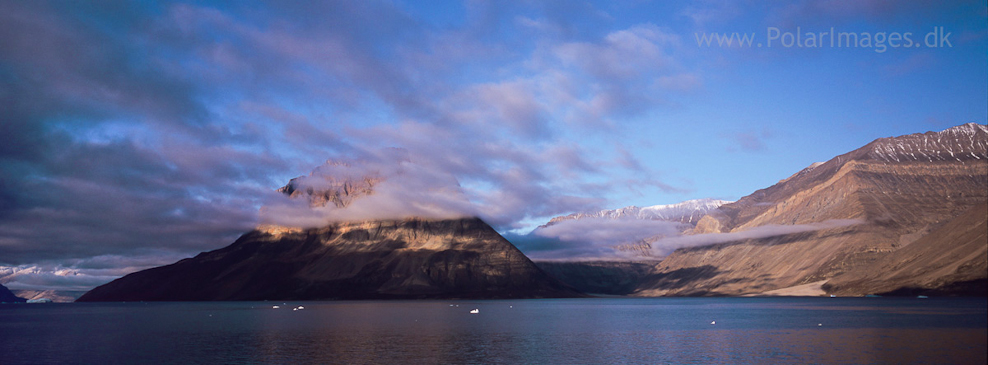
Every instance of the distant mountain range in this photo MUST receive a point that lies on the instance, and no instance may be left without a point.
(687, 212)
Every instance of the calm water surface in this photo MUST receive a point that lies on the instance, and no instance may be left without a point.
(563, 331)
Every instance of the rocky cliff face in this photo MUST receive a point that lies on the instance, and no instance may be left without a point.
(951, 259)
(462, 258)
(324, 189)
(884, 197)
(8, 297)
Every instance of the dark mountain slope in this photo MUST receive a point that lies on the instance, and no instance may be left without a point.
(462, 258)
(6, 296)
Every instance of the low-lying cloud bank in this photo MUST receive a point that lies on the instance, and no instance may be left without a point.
(599, 238)
(666, 246)
(591, 238)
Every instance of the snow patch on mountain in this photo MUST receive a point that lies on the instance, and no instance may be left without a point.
(961, 143)
(625, 233)
(688, 212)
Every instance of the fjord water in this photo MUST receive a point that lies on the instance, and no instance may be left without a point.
(566, 331)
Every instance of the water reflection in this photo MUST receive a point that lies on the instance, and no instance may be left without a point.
(531, 331)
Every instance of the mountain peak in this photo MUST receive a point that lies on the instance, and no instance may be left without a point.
(324, 190)
(390, 186)
(967, 129)
(961, 143)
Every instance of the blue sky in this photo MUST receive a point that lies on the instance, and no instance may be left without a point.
(139, 133)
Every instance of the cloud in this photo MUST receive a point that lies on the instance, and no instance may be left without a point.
(80, 274)
(748, 141)
(162, 129)
(599, 238)
(622, 54)
(667, 245)
(379, 187)
(591, 238)
(712, 12)
(627, 72)
(53, 278)
(106, 151)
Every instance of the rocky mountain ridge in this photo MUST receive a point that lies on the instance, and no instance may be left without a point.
(896, 190)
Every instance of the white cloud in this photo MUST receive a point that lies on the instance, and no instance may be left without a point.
(398, 188)
(592, 238)
(666, 246)
(596, 238)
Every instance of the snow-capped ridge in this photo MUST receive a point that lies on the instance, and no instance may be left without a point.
(688, 212)
(961, 143)
(695, 204)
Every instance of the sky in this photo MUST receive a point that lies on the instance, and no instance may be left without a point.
(135, 134)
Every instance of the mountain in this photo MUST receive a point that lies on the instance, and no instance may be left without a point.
(949, 260)
(57, 296)
(616, 277)
(599, 277)
(687, 212)
(6, 296)
(907, 204)
(367, 259)
(462, 258)
(630, 229)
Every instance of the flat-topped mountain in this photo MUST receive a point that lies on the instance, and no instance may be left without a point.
(462, 258)
(360, 259)
(846, 222)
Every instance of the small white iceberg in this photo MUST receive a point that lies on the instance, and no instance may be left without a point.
(475, 311)
(714, 322)
(275, 307)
